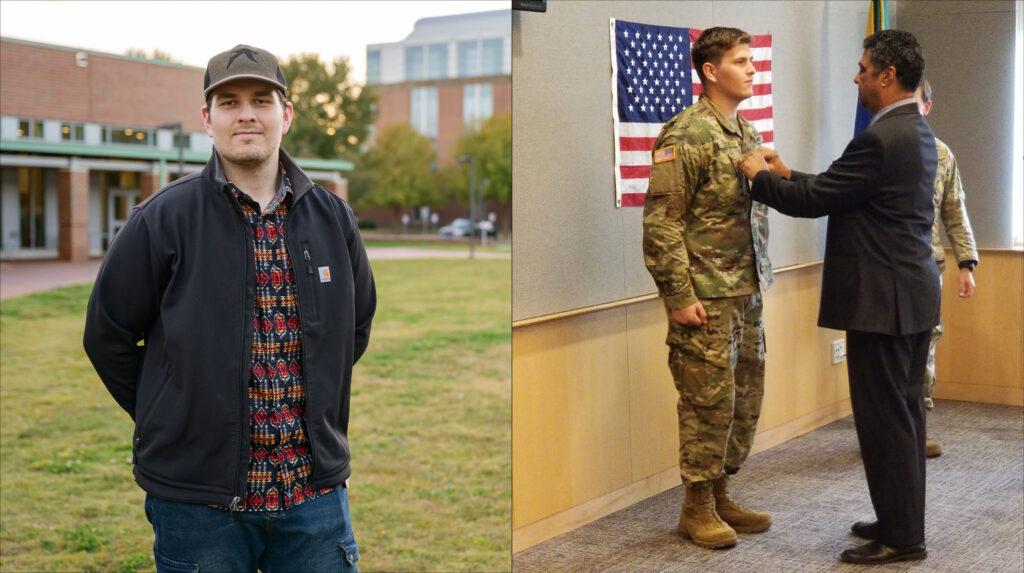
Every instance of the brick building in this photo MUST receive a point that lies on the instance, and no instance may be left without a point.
(449, 72)
(80, 144)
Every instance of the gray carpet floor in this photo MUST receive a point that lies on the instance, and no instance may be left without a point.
(814, 487)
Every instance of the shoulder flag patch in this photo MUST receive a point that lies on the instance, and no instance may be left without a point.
(665, 154)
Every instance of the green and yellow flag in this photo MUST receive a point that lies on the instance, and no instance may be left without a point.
(878, 20)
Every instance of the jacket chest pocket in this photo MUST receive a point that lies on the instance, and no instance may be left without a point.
(313, 277)
(723, 182)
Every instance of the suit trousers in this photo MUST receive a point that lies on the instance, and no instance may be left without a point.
(888, 411)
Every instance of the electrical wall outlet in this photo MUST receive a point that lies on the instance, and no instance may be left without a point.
(838, 350)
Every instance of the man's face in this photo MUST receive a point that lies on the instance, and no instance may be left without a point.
(733, 77)
(246, 121)
(869, 84)
(922, 106)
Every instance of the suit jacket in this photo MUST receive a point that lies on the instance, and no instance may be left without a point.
(879, 275)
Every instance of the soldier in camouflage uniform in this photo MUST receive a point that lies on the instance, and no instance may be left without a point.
(951, 210)
(705, 245)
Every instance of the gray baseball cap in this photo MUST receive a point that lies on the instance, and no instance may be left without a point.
(243, 62)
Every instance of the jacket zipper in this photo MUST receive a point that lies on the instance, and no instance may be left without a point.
(305, 359)
(236, 500)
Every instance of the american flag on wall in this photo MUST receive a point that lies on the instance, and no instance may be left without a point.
(652, 80)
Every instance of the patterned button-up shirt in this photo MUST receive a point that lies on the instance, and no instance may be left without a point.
(279, 455)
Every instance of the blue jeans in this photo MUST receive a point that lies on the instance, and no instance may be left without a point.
(314, 536)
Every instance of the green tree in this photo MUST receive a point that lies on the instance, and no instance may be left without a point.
(333, 113)
(399, 170)
(491, 144)
(157, 55)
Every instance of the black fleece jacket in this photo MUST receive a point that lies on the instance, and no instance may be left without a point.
(169, 331)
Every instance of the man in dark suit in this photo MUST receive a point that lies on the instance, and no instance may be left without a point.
(880, 283)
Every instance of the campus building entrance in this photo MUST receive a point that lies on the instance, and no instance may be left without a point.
(120, 203)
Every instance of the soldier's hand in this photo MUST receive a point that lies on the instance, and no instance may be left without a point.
(693, 315)
(774, 162)
(966, 280)
(752, 163)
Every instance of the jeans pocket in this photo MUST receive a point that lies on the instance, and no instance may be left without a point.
(350, 551)
(165, 565)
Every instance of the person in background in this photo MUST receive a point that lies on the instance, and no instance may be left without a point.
(952, 212)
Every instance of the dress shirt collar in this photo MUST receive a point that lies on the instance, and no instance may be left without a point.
(891, 107)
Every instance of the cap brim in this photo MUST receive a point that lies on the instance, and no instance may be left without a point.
(264, 79)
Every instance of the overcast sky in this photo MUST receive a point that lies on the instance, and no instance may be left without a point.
(192, 32)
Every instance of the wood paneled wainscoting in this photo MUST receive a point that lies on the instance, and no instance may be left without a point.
(594, 422)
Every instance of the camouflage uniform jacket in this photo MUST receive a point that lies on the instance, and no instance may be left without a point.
(951, 210)
(703, 236)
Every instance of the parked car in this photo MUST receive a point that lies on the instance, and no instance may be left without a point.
(457, 228)
(462, 228)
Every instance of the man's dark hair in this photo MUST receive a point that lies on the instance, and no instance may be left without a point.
(900, 50)
(926, 90)
(714, 42)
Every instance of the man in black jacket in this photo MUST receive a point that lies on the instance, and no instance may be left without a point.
(880, 283)
(225, 320)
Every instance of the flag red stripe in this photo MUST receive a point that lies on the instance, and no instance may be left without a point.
(636, 143)
(635, 171)
(764, 41)
(633, 199)
(759, 89)
(756, 114)
(767, 136)
(759, 65)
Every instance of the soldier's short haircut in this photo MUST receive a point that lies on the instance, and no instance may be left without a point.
(926, 90)
(900, 50)
(714, 42)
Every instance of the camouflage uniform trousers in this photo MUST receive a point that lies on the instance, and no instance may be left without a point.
(929, 371)
(719, 372)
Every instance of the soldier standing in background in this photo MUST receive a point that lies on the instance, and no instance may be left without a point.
(951, 210)
(705, 245)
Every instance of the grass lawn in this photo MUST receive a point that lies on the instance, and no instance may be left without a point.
(430, 431)
(492, 246)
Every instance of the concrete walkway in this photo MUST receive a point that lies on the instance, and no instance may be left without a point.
(25, 277)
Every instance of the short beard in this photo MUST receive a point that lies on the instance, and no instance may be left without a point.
(249, 157)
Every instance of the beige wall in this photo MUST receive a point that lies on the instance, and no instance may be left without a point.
(594, 426)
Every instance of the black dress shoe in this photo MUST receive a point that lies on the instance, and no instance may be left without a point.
(877, 553)
(866, 530)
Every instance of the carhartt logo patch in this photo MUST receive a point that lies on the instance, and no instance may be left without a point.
(325, 274)
(665, 154)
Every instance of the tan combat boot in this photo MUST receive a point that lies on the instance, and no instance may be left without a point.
(699, 522)
(932, 449)
(740, 518)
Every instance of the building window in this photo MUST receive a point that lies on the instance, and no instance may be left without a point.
(72, 132)
(423, 112)
(477, 103)
(492, 48)
(373, 66)
(125, 136)
(437, 63)
(30, 129)
(469, 58)
(32, 203)
(185, 143)
(413, 63)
